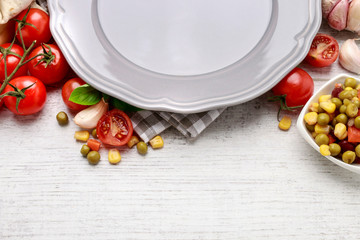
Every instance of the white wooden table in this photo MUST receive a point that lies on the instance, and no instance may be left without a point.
(242, 178)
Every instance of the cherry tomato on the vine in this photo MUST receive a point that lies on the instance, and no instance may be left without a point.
(67, 89)
(1, 100)
(114, 128)
(298, 86)
(323, 52)
(35, 96)
(11, 62)
(41, 32)
(53, 66)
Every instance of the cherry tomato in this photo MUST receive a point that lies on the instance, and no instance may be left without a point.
(114, 128)
(35, 95)
(1, 100)
(298, 86)
(11, 62)
(49, 70)
(323, 52)
(67, 89)
(41, 32)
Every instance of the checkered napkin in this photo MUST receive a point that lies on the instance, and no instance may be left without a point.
(148, 124)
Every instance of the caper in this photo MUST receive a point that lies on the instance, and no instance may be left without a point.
(323, 119)
(351, 110)
(337, 102)
(350, 82)
(85, 149)
(93, 157)
(62, 118)
(310, 128)
(349, 157)
(357, 122)
(341, 118)
(142, 147)
(357, 150)
(335, 149)
(342, 109)
(321, 139)
(94, 133)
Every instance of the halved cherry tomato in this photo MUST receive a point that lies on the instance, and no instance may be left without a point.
(323, 52)
(11, 62)
(53, 66)
(67, 89)
(35, 95)
(298, 86)
(114, 128)
(40, 31)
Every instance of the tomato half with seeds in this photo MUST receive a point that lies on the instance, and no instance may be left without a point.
(323, 52)
(114, 128)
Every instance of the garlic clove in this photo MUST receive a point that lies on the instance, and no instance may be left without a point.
(327, 6)
(349, 56)
(353, 20)
(338, 16)
(89, 117)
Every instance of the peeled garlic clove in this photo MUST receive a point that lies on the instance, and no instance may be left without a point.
(338, 16)
(327, 6)
(89, 117)
(353, 21)
(349, 56)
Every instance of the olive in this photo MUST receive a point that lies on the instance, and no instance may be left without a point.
(337, 102)
(357, 122)
(341, 118)
(94, 133)
(93, 157)
(350, 82)
(142, 147)
(335, 149)
(357, 150)
(85, 149)
(321, 139)
(323, 119)
(351, 110)
(349, 157)
(62, 118)
(342, 109)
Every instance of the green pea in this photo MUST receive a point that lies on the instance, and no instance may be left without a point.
(323, 119)
(93, 157)
(310, 128)
(351, 110)
(350, 82)
(337, 102)
(357, 122)
(321, 139)
(349, 157)
(346, 102)
(357, 150)
(342, 109)
(341, 118)
(347, 94)
(85, 149)
(335, 149)
(62, 118)
(356, 102)
(334, 122)
(142, 147)
(94, 133)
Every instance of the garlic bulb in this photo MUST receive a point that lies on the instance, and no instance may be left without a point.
(327, 6)
(89, 117)
(353, 21)
(349, 56)
(338, 16)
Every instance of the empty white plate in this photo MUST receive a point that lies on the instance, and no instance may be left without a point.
(186, 55)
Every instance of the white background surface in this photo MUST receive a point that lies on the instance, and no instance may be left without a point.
(242, 178)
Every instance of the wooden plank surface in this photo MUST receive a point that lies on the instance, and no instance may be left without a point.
(241, 179)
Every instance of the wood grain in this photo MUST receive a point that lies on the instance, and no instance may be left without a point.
(242, 178)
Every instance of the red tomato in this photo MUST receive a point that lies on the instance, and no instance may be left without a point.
(11, 62)
(1, 100)
(35, 96)
(114, 128)
(323, 52)
(41, 32)
(67, 89)
(52, 68)
(298, 86)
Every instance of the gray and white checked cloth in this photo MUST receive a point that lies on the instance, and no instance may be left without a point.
(148, 124)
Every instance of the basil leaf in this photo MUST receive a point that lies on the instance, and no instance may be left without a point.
(85, 95)
(123, 106)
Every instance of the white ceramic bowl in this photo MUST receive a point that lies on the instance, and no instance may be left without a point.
(325, 89)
